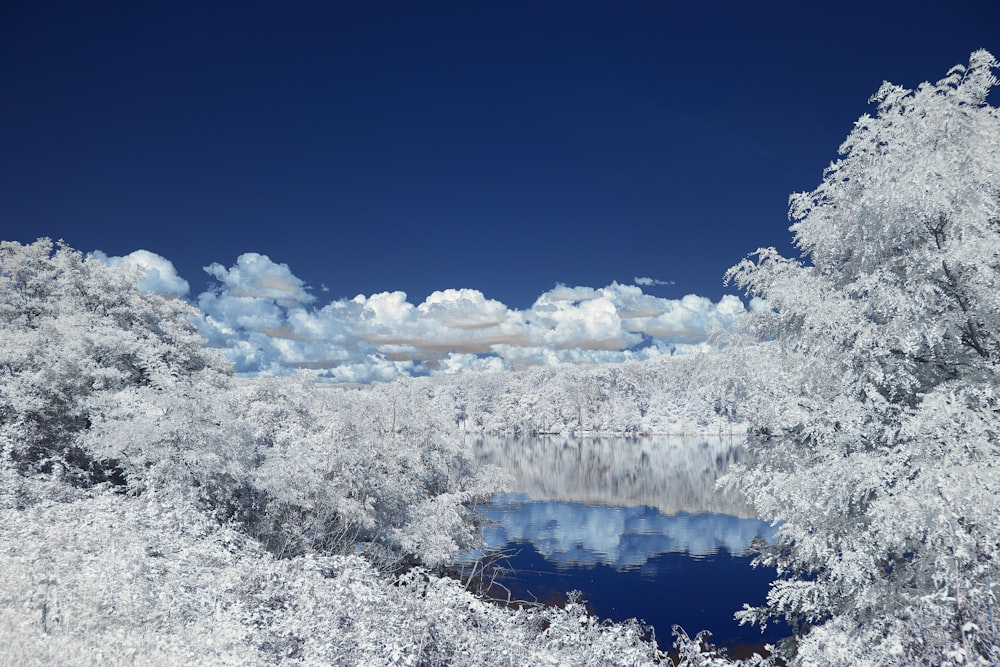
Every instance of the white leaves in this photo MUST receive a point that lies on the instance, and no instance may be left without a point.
(158, 581)
(873, 428)
(923, 157)
(888, 96)
(73, 334)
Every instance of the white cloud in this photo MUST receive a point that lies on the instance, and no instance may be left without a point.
(565, 293)
(464, 309)
(258, 316)
(236, 313)
(371, 368)
(256, 275)
(461, 363)
(260, 312)
(649, 282)
(160, 276)
(591, 323)
(689, 319)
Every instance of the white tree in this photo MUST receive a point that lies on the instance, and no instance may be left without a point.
(872, 396)
(341, 471)
(82, 345)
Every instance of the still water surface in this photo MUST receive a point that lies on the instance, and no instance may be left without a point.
(635, 524)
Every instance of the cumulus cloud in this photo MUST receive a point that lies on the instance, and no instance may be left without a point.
(687, 320)
(454, 320)
(592, 322)
(263, 316)
(160, 276)
(257, 276)
(464, 309)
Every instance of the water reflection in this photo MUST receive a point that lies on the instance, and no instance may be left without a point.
(672, 474)
(637, 525)
(570, 533)
(618, 501)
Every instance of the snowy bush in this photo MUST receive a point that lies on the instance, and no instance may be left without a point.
(97, 578)
(339, 472)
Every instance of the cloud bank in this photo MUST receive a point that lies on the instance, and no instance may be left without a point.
(268, 323)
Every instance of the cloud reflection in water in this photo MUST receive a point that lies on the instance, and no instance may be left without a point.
(575, 534)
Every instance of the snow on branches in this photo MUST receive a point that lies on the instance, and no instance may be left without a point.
(873, 424)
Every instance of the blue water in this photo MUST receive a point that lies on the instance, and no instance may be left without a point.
(692, 570)
(637, 526)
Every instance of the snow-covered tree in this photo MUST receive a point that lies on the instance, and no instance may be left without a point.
(81, 344)
(357, 472)
(872, 396)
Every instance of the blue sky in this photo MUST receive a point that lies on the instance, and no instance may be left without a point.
(506, 147)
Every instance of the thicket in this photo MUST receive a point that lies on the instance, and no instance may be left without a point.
(659, 396)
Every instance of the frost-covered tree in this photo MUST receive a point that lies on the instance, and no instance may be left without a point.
(370, 472)
(872, 397)
(82, 345)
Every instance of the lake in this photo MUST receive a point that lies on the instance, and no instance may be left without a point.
(635, 524)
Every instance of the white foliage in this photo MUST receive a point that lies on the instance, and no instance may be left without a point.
(94, 578)
(871, 401)
(343, 471)
(80, 341)
(665, 395)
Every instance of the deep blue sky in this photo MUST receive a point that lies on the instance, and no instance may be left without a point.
(503, 146)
